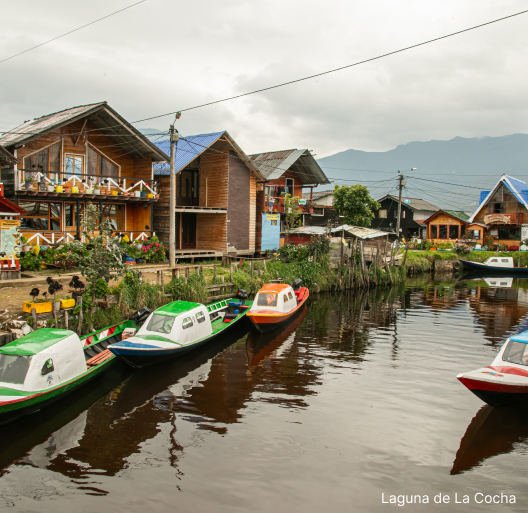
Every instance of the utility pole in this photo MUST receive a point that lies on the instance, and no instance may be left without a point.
(172, 205)
(401, 184)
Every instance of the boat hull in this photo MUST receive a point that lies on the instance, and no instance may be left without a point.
(484, 269)
(496, 393)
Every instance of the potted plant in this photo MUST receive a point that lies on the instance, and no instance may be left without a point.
(25, 246)
(51, 187)
(96, 189)
(88, 189)
(137, 194)
(40, 305)
(150, 195)
(143, 192)
(59, 188)
(29, 183)
(42, 185)
(75, 189)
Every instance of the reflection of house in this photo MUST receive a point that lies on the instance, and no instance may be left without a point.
(447, 226)
(285, 172)
(216, 187)
(76, 156)
(414, 212)
(501, 212)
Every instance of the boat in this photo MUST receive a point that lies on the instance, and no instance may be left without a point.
(179, 327)
(47, 364)
(505, 381)
(275, 304)
(495, 265)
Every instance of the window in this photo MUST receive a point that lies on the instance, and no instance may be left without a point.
(516, 352)
(200, 317)
(160, 323)
(41, 216)
(285, 298)
(499, 208)
(116, 214)
(73, 165)
(504, 260)
(434, 231)
(290, 183)
(395, 213)
(13, 369)
(494, 260)
(318, 211)
(509, 232)
(382, 213)
(462, 231)
(442, 229)
(42, 161)
(187, 323)
(47, 367)
(99, 165)
(267, 299)
(453, 231)
(290, 295)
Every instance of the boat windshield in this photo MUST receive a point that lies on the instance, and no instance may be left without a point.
(161, 323)
(13, 369)
(267, 299)
(516, 352)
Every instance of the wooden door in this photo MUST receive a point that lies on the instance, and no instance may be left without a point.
(188, 188)
(188, 231)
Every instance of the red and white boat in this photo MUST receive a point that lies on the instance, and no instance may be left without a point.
(506, 380)
(275, 304)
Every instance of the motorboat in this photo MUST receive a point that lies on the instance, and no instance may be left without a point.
(495, 265)
(276, 303)
(178, 328)
(47, 364)
(506, 380)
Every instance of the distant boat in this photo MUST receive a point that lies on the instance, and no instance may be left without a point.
(495, 265)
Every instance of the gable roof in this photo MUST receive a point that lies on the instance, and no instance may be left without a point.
(517, 187)
(415, 203)
(6, 157)
(190, 147)
(317, 194)
(274, 164)
(101, 115)
(457, 214)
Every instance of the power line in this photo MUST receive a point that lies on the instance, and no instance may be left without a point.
(71, 31)
(336, 69)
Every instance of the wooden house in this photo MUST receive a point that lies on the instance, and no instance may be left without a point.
(321, 211)
(414, 212)
(285, 172)
(216, 188)
(63, 161)
(501, 213)
(447, 226)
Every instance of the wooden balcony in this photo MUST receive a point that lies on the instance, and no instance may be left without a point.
(492, 219)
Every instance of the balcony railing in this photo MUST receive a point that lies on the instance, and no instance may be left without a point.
(503, 219)
(84, 183)
(53, 238)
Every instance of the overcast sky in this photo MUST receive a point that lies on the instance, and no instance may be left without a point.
(164, 55)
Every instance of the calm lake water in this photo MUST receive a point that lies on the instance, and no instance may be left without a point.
(356, 398)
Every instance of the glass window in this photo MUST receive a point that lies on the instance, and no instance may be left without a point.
(498, 208)
(116, 214)
(267, 299)
(453, 231)
(13, 369)
(434, 231)
(45, 161)
(200, 317)
(515, 233)
(285, 298)
(442, 228)
(160, 323)
(382, 213)
(97, 165)
(187, 323)
(47, 367)
(290, 295)
(70, 214)
(504, 260)
(494, 260)
(41, 215)
(73, 165)
(516, 352)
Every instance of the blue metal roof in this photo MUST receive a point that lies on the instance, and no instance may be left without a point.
(187, 149)
(521, 337)
(483, 196)
(518, 188)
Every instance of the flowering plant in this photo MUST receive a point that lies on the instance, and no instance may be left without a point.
(460, 247)
(153, 250)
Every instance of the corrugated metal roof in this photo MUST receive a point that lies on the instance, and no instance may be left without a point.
(356, 231)
(483, 196)
(414, 203)
(317, 194)
(187, 149)
(274, 164)
(38, 125)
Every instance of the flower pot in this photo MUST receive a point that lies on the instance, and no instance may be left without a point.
(26, 248)
(42, 186)
(45, 307)
(88, 191)
(432, 249)
(97, 192)
(67, 303)
(113, 193)
(29, 186)
(35, 186)
(137, 194)
(75, 190)
(143, 194)
(157, 196)
(59, 188)
(150, 195)
(51, 188)
(67, 190)
(43, 266)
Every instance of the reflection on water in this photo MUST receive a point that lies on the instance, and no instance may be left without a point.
(356, 397)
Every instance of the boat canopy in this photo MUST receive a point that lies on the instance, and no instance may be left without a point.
(521, 337)
(176, 308)
(35, 342)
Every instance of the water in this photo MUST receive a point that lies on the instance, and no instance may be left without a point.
(355, 399)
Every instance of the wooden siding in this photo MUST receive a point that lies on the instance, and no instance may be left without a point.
(252, 211)
(211, 232)
(161, 210)
(443, 219)
(238, 211)
(281, 182)
(214, 178)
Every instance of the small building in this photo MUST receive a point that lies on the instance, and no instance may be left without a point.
(9, 237)
(285, 172)
(65, 160)
(447, 226)
(322, 211)
(216, 190)
(414, 212)
(501, 213)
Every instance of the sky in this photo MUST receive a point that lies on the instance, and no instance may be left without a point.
(163, 55)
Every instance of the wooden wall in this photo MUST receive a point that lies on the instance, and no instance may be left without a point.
(252, 212)
(238, 212)
(214, 178)
(211, 231)
(161, 209)
(443, 219)
(281, 182)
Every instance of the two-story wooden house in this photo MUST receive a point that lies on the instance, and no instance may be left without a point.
(65, 160)
(285, 172)
(216, 188)
(501, 213)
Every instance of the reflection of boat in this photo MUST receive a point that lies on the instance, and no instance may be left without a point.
(46, 365)
(495, 265)
(275, 304)
(506, 379)
(178, 328)
(491, 432)
(261, 345)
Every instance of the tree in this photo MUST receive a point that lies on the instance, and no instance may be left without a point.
(355, 203)
(292, 213)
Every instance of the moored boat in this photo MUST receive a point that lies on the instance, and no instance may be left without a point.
(47, 364)
(506, 380)
(178, 328)
(496, 265)
(276, 303)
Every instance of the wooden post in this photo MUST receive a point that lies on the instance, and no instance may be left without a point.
(214, 274)
(177, 273)
(192, 260)
(162, 282)
(186, 275)
(264, 263)
(79, 327)
(56, 306)
(277, 273)
(231, 274)
(342, 247)
(66, 319)
(404, 256)
(157, 277)
(197, 270)
(251, 267)
(34, 315)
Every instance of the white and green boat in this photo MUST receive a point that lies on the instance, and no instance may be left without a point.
(46, 365)
(178, 328)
